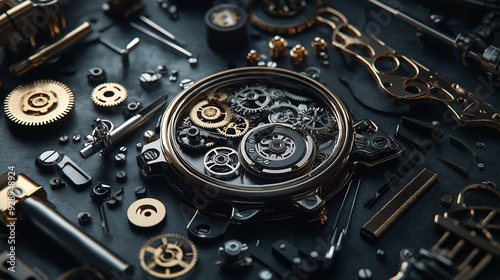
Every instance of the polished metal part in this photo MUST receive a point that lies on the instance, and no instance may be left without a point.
(122, 52)
(160, 29)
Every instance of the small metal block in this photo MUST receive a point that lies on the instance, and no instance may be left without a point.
(381, 255)
(193, 61)
(77, 138)
(141, 191)
(63, 139)
(172, 78)
(100, 192)
(149, 136)
(84, 218)
(120, 159)
(121, 176)
(56, 183)
(364, 273)
(96, 76)
(446, 200)
(150, 80)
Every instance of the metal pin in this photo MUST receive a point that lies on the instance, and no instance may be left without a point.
(160, 29)
(162, 40)
(122, 52)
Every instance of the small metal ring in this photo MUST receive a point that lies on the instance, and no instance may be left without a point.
(146, 213)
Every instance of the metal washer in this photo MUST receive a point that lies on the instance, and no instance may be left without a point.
(146, 213)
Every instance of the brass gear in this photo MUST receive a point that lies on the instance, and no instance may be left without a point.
(42, 103)
(109, 95)
(217, 96)
(236, 128)
(208, 115)
(168, 256)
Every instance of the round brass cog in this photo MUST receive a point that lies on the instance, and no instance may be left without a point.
(208, 115)
(42, 103)
(168, 256)
(236, 128)
(109, 95)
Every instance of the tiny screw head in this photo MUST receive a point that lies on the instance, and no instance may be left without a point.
(364, 273)
(77, 138)
(84, 218)
(63, 139)
(141, 191)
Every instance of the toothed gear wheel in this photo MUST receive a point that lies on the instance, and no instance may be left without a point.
(109, 95)
(186, 122)
(168, 256)
(217, 96)
(191, 137)
(222, 162)
(210, 115)
(317, 120)
(236, 128)
(283, 114)
(296, 97)
(41, 104)
(252, 99)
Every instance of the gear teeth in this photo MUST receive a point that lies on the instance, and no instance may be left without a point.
(39, 106)
(236, 128)
(219, 114)
(109, 96)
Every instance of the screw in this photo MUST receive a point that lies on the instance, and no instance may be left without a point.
(120, 159)
(380, 254)
(121, 176)
(277, 47)
(364, 273)
(446, 200)
(100, 192)
(185, 83)
(162, 69)
(480, 145)
(123, 149)
(193, 61)
(265, 274)
(63, 139)
(298, 54)
(480, 166)
(96, 76)
(319, 45)
(141, 191)
(77, 138)
(149, 136)
(56, 183)
(84, 218)
(138, 146)
(253, 57)
(172, 78)
(150, 80)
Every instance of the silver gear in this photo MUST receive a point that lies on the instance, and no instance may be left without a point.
(296, 97)
(317, 121)
(190, 137)
(236, 128)
(283, 114)
(252, 99)
(222, 162)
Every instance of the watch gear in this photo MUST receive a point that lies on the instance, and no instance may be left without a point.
(317, 121)
(277, 151)
(217, 96)
(235, 128)
(192, 138)
(186, 122)
(41, 104)
(296, 97)
(283, 114)
(109, 95)
(286, 8)
(222, 162)
(168, 256)
(210, 115)
(252, 99)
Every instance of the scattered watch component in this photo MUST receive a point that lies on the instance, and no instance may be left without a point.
(104, 139)
(96, 76)
(406, 80)
(63, 139)
(122, 8)
(208, 115)
(226, 27)
(365, 274)
(196, 138)
(122, 52)
(168, 256)
(379, 223)
(160, 29)
(115, 199)
(234, 254)
(222, 162)
(40, 105)
(172, 12)
(84, 218)
(123, 149)
(162, 40)
(141, 191)
(109, 96)
(120, 159)
(100, 193)
(149, 136)
(150, 80)
(468, 244)
(381, 255)
(278, 47)
(298, 54)
(31, 205)
(76, 138)
(146, 213)
(446, 200)
(40, 57)
(56, 183)
(455, 167)
(319, 45)
(185, 83)
(253, 58)
(283, 17)
(64, 166)
(461, 145)
(138, 146)
(121, 176)
(131, 108)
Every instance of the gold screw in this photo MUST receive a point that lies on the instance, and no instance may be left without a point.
(298, 54)
(277, 47)
(253, 58)
(319, 45)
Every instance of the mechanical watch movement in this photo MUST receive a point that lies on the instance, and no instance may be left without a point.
(262, 143)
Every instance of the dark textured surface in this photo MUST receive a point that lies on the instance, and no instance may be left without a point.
(413, 231)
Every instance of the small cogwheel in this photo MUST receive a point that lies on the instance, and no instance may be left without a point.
(168, 256)
(283, 114)
(191, 137)
(186, 122)
(297, 97)
(236, 128)
(41, 104)
(317, 121)
(208, 115)
(217, 96)
(252, 99)
(109, 95)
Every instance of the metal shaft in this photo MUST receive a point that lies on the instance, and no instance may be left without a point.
(79, 244)
(160, 39)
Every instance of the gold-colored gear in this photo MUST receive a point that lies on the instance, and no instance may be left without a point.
(236, 128)
(168, 256)
(209, 115)
(217, 96)
(42, 103)
(109, 95)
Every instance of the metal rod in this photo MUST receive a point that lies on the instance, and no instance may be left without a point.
(160, 29)
(162, 40)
